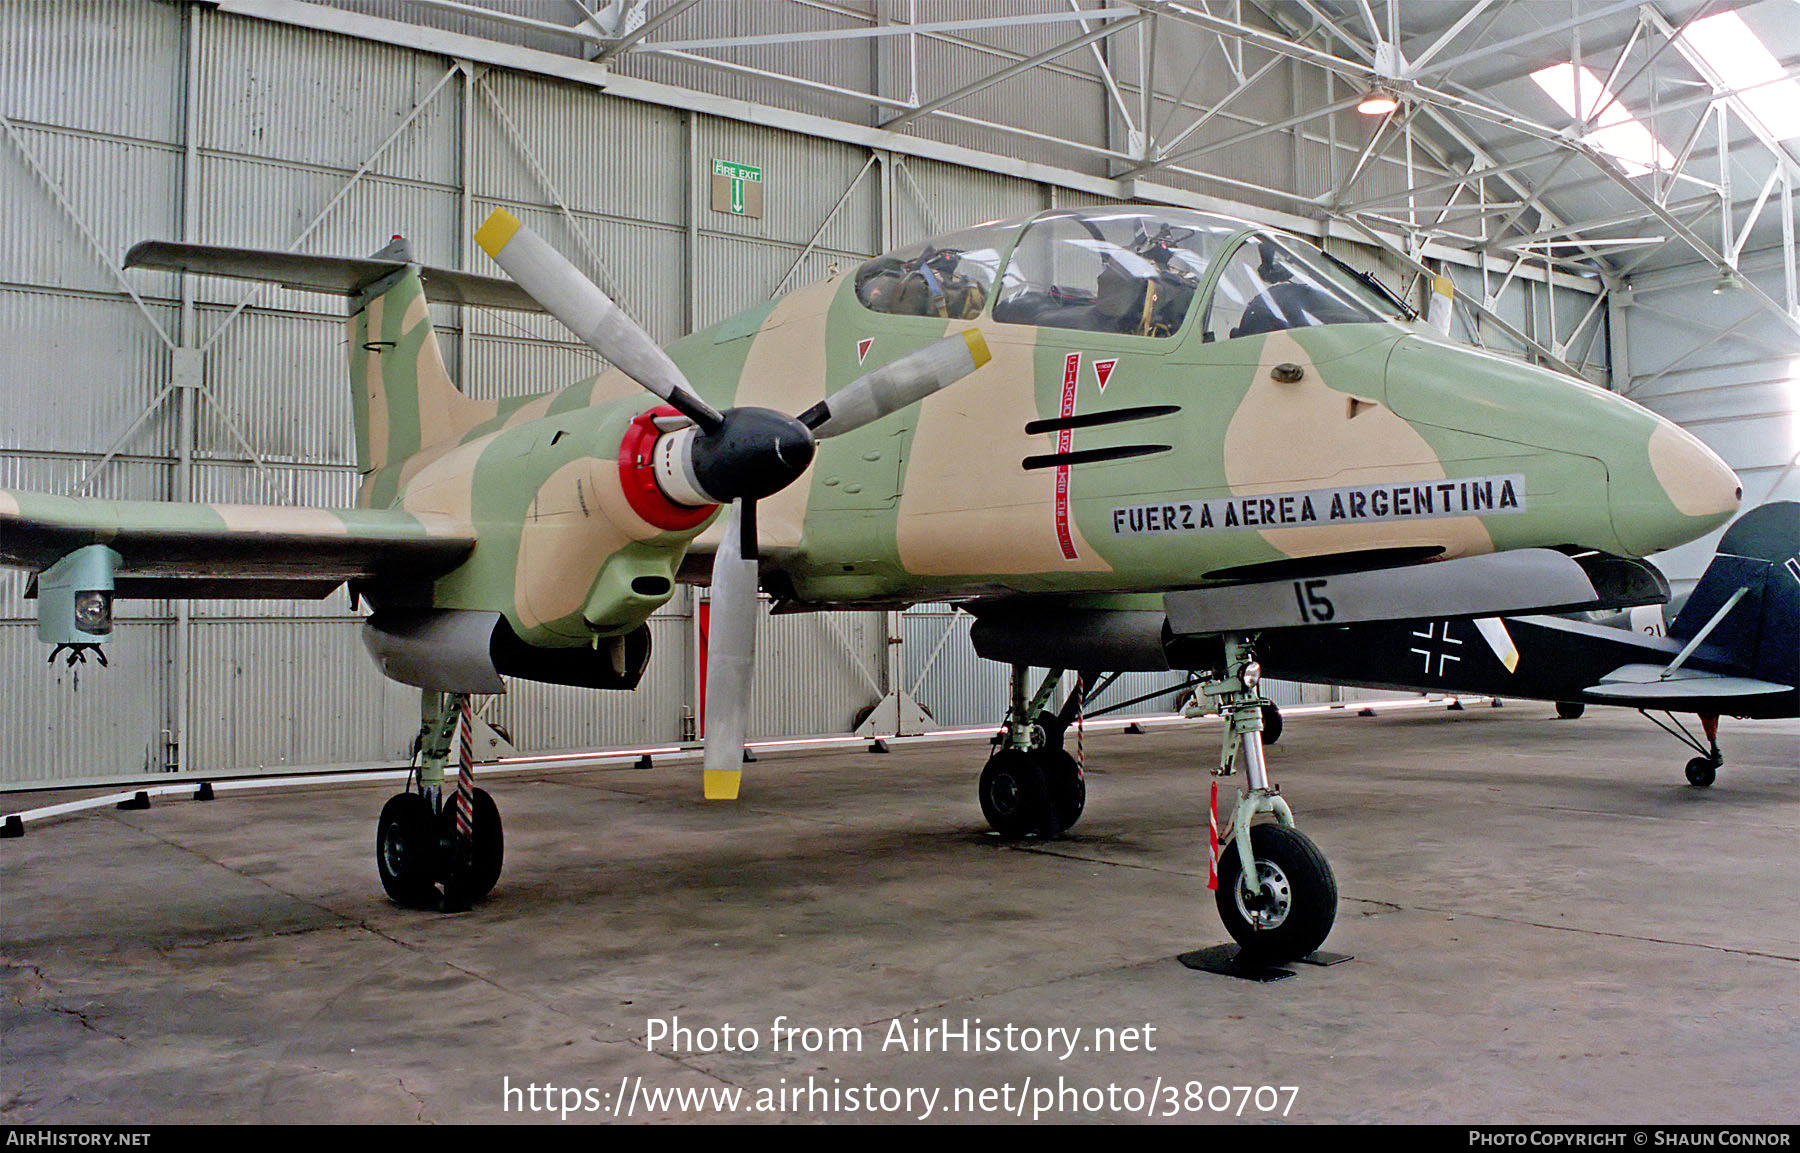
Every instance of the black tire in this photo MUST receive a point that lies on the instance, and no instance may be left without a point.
(463, 886)
(1305, 901)
(1067, 788)
(1014, 798)
(406, 850)
(1570, 710)
(1271, 718)
(1702, 772)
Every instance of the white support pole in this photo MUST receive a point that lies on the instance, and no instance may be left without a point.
(1787, 245)
(185, 367)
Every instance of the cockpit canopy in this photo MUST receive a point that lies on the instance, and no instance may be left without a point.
(1132, 271)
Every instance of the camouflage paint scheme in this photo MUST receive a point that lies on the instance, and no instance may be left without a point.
(934, 502)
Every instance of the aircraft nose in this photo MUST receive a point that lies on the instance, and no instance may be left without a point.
(1695, 492)
(1607, 473)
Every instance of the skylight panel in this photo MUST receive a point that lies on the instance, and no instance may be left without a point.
(1741, 60)
(1616, 131)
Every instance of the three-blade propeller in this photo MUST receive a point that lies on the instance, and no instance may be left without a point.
(734, 457)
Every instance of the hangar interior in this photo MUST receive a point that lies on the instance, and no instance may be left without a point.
(1609, 187)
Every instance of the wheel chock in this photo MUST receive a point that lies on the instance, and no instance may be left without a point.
(1229, 961)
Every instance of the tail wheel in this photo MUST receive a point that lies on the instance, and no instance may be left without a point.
(406, 850)
(464, 886)
(1570, 710)
(1702, 771)
(1292, 912)
(1014, 796)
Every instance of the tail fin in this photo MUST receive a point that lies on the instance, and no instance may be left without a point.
(403, 395)
(1761, 554)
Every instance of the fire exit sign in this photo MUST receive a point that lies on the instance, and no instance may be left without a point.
(737, 189)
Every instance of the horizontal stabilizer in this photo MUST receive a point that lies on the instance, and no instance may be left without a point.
(336, 275)
(212, 550)
(1521, 580)
(1634, 684)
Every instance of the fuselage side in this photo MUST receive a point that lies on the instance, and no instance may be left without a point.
(1216, 423)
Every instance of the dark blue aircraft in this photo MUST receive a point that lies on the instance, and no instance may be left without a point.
(1732, 650)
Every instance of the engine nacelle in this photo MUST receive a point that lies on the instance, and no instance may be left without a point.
(463, 651)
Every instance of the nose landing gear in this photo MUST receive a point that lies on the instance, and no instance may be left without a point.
(1276, 892)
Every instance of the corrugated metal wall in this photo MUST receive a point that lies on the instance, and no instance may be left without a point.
(281, 137)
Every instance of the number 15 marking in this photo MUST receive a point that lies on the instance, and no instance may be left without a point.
(1315, 606)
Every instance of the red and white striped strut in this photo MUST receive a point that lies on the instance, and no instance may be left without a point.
(465, 773)
(1212, 857)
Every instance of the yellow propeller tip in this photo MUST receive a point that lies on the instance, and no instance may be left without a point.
(977, 347)
(496, 230)
(722, 784)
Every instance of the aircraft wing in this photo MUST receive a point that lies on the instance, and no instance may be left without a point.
(226, 550)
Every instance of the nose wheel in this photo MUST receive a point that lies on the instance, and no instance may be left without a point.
(1289, 910)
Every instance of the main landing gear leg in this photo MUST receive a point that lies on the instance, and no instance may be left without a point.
(425, 840)
(1276, 893)
(1031, 786)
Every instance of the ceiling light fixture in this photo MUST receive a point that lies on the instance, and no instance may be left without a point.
(1378, 101)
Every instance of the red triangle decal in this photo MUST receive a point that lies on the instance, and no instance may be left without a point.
(1103, 371)
(862, 348)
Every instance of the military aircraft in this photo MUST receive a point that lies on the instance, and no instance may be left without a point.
(1732, 650)
(1147, 403)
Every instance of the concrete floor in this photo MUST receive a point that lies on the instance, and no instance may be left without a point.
(1548, 925)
